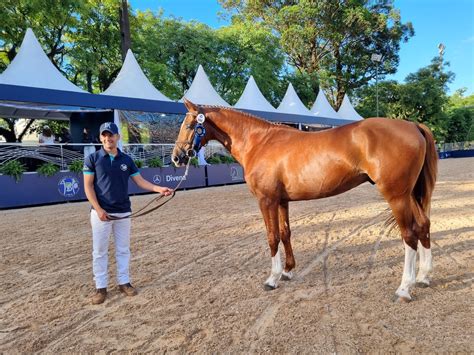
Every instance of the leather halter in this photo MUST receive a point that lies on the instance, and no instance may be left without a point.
(198, 134)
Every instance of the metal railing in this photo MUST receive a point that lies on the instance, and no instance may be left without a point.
(64, 154)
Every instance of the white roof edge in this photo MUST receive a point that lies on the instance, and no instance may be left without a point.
(202, 92)
(347, 111)
(131, 81)
(253, 99)
(322, 107)
(291, 103)
(31, 67)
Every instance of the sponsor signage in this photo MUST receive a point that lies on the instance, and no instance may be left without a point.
(171, 177)
(34, 189)
(222, 174)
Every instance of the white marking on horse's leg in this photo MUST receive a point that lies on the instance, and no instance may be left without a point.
(287, 275)
(408, 278)
(426, 265)
(277, 270)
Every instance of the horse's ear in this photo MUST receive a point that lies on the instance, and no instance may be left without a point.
(190, 106)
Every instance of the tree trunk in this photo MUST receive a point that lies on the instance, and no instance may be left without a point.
(89, 81)
(9, 134)
(126, 42)
(340, 84)
(25, 130)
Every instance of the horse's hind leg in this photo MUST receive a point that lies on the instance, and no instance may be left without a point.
(269, 210)
(402, 208)
(285, 235)
(422, 229)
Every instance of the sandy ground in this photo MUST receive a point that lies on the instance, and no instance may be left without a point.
(199, 264)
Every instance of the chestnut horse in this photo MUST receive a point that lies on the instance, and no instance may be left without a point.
(282, 164)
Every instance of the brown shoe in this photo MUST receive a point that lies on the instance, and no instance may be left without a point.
(128, 289)
(99, 296)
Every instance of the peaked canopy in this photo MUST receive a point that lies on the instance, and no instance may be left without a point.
(132, 82)
(202, 92)
(347, 111)
(291, 103)
(322, 107)
(253, 99)
(31, 67)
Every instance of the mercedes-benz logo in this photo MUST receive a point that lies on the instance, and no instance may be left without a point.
(157, 179)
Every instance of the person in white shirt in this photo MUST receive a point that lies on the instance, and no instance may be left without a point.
(47, 136)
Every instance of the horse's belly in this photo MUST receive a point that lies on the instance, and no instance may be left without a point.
(320, 187)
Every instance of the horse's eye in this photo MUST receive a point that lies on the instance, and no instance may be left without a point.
(188, 126)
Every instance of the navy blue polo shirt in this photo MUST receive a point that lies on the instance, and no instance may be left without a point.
(111, 176)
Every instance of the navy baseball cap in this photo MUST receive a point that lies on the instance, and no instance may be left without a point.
(109, 127)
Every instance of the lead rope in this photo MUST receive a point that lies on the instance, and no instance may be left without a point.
(142, 211)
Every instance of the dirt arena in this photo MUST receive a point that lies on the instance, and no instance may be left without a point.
(199, 264)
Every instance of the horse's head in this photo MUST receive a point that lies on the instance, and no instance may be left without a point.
(191, 134)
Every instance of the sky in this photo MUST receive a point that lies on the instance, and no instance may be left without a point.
(450, 22)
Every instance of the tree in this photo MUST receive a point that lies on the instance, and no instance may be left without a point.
(367, 102)
(247, 49)
(170, 51)
(422, 98)
(334, 39)
(95, 55)
(51, 22)
(460, 121)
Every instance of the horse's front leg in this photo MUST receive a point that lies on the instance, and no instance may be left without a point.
(285, 235)
(269, 210)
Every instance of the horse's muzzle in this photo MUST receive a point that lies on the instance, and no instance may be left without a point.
(179, 160)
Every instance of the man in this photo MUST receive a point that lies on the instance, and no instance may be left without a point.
(106, 174)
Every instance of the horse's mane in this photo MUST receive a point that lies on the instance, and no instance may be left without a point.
(255, 119)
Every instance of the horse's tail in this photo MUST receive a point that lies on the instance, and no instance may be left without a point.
(426, 180)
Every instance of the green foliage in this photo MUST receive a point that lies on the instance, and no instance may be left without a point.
(215, 159)
(139, 163)
(458, 100)
(56, 126)
(155, 162)
(334, 39)
(76, 166)
(194, 162)
(422, 98)
(170, 51)
(13, 168)
(459, 125)
(96, 55)
(48, 169)
(227, 159)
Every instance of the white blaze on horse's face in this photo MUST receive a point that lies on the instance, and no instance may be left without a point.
(184, 142)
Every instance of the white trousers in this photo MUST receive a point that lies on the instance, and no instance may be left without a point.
(100, 248)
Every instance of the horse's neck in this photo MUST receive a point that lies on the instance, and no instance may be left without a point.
(234, 133)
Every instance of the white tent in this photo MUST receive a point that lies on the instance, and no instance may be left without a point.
(322, 107)
(31, 67)
(253, 99)
(202, 92)
(347, 111)
(291, 103)
(132, 82)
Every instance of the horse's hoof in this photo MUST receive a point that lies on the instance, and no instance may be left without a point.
(267, 287)
(286, 276)
(401, 299)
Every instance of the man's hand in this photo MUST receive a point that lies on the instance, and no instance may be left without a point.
(165, 190)
(103, 216)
